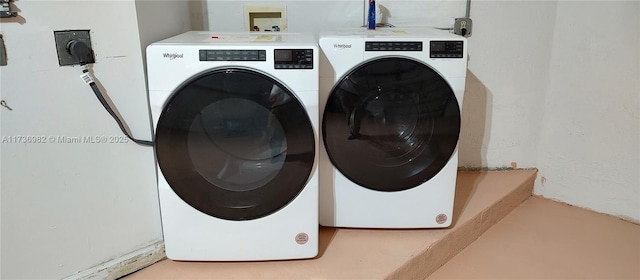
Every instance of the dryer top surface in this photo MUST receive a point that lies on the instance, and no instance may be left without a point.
(240, 38)
(412, 33)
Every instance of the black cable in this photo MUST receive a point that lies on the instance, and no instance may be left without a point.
(106, 106)
(82, 52)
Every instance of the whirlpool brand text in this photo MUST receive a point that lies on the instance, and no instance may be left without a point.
(172, 56)
(342, 46)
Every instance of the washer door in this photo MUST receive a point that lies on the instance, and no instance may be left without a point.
(235, 144)
(391, 124)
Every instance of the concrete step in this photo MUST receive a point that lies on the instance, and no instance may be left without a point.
(482, 199)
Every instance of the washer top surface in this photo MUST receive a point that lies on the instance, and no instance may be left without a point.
(240, 38)
(290, 57)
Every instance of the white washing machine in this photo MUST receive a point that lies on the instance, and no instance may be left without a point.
(236, 119)
(391, 101)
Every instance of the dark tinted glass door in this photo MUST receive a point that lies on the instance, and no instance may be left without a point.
(235, 144)
(391, 124)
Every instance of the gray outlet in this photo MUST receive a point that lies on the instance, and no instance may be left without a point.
(462, 26)
(63, 38)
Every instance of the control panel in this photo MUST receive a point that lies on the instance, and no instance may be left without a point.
(446, 49)
(293, 58)
(233, 55)
(393, 46)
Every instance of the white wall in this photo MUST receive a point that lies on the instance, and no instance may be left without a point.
(506, 82)
(543, 90)
(68, 207)
(589, 148)
(313, 16)
(308, 16)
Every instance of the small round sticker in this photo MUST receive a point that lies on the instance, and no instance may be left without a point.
(441, 219)
(302, 238)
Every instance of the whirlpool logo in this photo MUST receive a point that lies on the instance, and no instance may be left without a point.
(172, 56)
(341, 46)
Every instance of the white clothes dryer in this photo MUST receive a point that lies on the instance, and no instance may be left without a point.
(391, 101)
(235, 117)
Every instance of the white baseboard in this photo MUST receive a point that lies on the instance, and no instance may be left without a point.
(124, 265)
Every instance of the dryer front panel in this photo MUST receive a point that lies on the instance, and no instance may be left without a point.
(391, 124)
(235, 144)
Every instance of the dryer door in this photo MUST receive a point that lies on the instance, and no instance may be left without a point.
(235, 144)
(391, 124)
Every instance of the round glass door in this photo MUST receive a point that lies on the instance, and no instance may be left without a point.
(391, 124)
(235, 144)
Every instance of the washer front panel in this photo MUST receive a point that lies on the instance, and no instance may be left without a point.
(235, 144)
(391, 124)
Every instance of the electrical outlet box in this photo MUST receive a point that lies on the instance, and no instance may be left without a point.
(265, 18)
(63, 37)
(462, 26)
(6, 11)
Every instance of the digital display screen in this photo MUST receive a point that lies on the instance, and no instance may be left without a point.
(283, 55)
(293, 59)
(438, 46)
(446, 49)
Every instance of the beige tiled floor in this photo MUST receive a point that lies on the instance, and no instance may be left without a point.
(542, 239)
